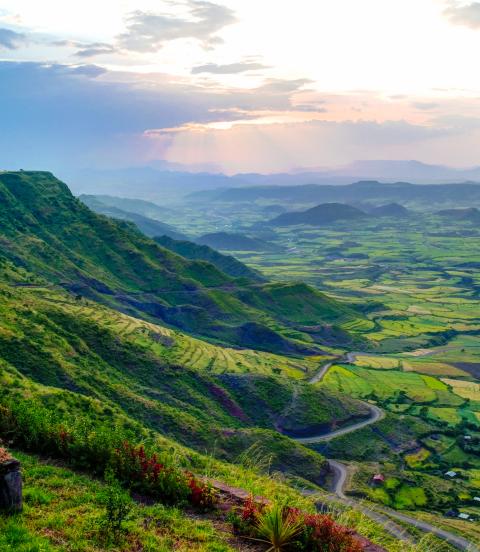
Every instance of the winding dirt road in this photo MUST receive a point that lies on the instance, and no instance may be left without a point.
(375, 415)
(380, 514)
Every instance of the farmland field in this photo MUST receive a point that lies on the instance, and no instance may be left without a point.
(418, 283)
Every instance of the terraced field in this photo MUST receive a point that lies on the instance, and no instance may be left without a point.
(188, 351)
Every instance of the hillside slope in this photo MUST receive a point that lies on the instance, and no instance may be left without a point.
(193, 251)
(46, 230)
(62, 352)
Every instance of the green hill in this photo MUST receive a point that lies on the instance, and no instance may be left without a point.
(319, 215)
(226, 263)
(87, 390)
(46, 230)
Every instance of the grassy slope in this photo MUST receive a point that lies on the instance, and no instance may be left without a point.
(165, 380)
(63, 511)
(44, 228)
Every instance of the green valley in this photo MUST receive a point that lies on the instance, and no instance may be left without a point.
(225, 368)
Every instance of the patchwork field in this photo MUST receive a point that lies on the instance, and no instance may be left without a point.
(418, 283)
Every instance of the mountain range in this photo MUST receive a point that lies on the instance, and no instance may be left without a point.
(358, 192)
(164, 183)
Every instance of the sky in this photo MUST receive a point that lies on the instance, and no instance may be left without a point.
(238, 85)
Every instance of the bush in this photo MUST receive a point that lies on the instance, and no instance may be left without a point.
(118, 505)
(147, 474)
(99, 448)
(323, 534)
(202, 495)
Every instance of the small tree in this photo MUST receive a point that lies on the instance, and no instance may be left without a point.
(118, 505)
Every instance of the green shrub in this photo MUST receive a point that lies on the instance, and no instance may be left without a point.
(118, 506)
(289, 529)
(99, 448)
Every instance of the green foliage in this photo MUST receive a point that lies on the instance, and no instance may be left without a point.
(117, 504)
(100, 450)
(75, 518)
(150, 473)
(256, 458)
(289, 529)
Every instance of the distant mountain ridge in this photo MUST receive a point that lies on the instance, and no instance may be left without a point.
(358, 192)
(161, 183)
(319, 215)
(139, 206)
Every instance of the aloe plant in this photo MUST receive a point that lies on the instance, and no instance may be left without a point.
(277, 529)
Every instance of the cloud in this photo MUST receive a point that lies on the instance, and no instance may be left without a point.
(468, 15)
(85, 115)
(424, 106)
(283, 86)
(12, 40)
(95, 49)
(86, 49)
(148, 32)
(92, 71)
(309, 108)
(54, 113)
(228, 69)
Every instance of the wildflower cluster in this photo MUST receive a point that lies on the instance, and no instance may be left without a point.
(147, 473)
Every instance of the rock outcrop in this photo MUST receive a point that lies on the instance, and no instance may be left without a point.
(10, 483)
